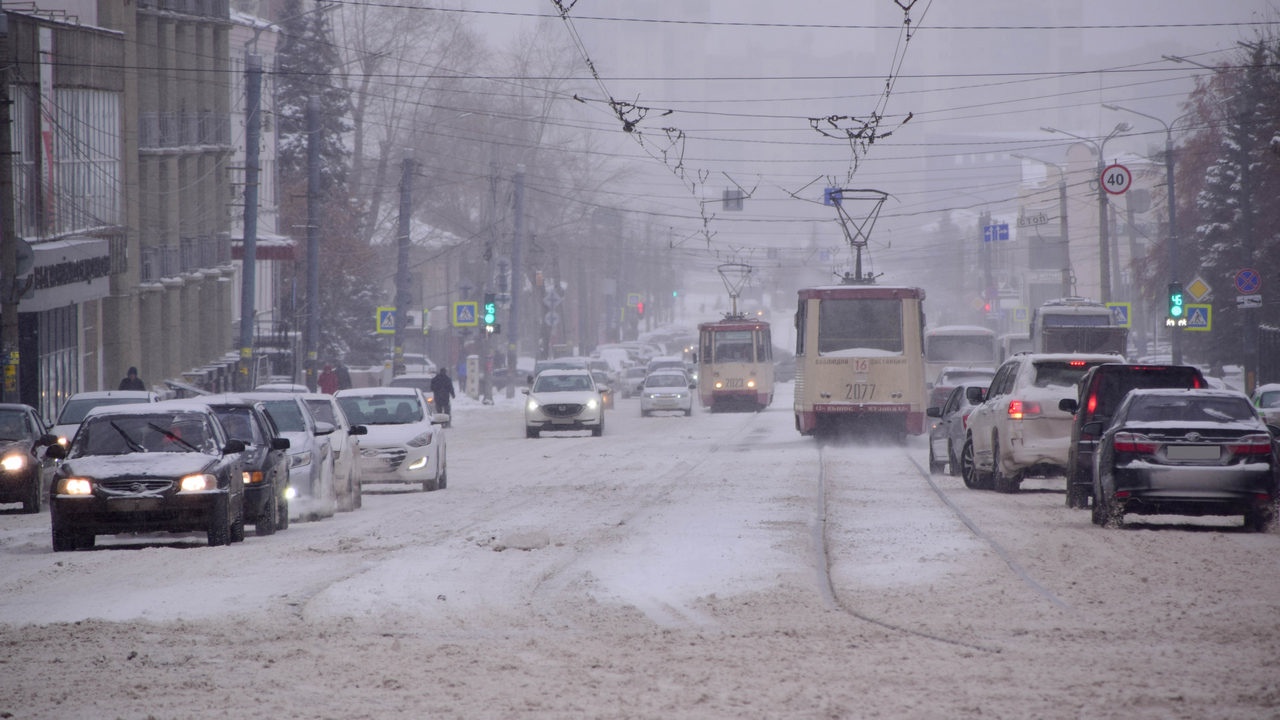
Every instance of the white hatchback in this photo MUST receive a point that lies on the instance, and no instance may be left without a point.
(403, 443)
(666, 390)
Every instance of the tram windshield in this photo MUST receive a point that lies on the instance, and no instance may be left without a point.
(860, 323)
(732, 346)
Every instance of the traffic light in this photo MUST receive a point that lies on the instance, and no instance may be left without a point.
(490, 312)
(640, 309)
(1177, 311)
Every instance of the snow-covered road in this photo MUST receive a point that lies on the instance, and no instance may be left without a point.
(718, 566)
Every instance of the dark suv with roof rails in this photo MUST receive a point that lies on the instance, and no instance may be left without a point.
(1102, 389)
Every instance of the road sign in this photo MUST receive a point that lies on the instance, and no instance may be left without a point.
(994, 233)
(1121, 313)
(1248, 281)
(551, 298)
(466, 313)
(1248, 301)
(552, 317)
(1199, 318)
(1116, 179)
(385, 321)
(1198, 289)
(634, 299)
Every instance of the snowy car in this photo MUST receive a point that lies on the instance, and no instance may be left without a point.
(563, 400)
(666, 391)
(165, 467)
(311, 489)
(79, 405)
(404, 443)
(947, 431)
(1267, 399)
(345, 444)
(265, 459)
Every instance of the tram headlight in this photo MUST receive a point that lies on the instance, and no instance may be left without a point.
(751, 383)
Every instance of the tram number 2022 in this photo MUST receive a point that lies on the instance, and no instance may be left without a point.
(859, 391)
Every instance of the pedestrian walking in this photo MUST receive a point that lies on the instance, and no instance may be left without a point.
(442, 390)
(344, 376)
(327, 380)
(131, 381)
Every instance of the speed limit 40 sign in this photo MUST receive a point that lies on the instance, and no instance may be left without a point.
(1116, 179)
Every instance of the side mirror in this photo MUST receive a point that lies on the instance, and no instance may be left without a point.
(1070, 405)
(975, 395)
(358, 430)
(56, 451)
(524, 391)
(934, 412)
(47, 439)
(324, 428)
(279, 443)
(233, 446)
(1093, 427)
(440, 419)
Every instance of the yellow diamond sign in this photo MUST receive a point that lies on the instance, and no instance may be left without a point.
(1198, 289)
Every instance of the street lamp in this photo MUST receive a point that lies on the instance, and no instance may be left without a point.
(1104, 244)
(1062, 220)
(1175, 273)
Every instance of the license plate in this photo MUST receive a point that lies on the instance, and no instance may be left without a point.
(1192, 452)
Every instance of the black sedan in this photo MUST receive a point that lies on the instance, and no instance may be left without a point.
(1186, 452)
(163, 467)
(265, 460)
(23, 467)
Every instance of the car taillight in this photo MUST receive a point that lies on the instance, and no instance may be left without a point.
(964, 421)
(1092, 403)
(1019, 409)
(1251, 445)
(1127, 442)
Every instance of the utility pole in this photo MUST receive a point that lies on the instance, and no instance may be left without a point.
(9, 291)
(249, 263)
(517, 280)
(403, 293)
(313, 239)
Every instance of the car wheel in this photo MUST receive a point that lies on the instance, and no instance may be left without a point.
(237, 525)
(357, 490)
(1105, 513)
(265, 523)
(1077, 490)
(1260, 519)
(63, 540)
(1000, 481)
(32, 503)
(934, 465)
(531, 432)
(953, 462)
(688, 412)
(974, 479)
(430, 485)
(219, 532)
(644, 413)
(443, 482)
(598, 430)
(282, 519)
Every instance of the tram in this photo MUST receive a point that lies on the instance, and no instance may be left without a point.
(860, 360)
(735, 364)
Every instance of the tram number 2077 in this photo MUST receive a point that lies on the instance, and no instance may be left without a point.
(860, 391)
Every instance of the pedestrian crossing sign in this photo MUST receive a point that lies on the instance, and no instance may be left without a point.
(1121, 314)
(1199, 318)
(385, 321)
(466, 313)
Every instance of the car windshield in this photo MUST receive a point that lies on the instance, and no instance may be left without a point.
(666, 380)
(159, 432)
(75, 410)
(287, 415)
(322, 410)
(1269, 399)
(382, 409)
(239, 424)
(1060, 373)
(13, 425)
(561, 383)
(1189, 409)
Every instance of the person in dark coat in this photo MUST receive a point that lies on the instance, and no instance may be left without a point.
(344, 376)
(131, 381)
(442, 390)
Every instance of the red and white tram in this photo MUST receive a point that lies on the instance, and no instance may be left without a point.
(735, 364)
(860, 360)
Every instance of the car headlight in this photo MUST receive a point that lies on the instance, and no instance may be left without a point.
(532, 405)
(14, 462)
(592, 404)
(419, 463)
(252, 476)
(299, 459)
(75, 486)
(64, 441)
(421, 440)
(199, 482)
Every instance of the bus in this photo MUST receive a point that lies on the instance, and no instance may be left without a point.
(1076, 325)
(961, 346)
(735, 364)
(860, 360)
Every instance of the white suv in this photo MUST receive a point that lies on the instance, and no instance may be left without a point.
(1020, 430)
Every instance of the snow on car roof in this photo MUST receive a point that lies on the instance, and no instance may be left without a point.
(166, 406)
(374, 391)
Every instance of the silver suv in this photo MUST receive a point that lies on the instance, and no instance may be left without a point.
(1020, 430)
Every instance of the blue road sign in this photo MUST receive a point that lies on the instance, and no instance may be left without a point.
(1199, 318)
(994, 233)
(386, 321)
(1248, 281)
(466, 313)
(1121, 313)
